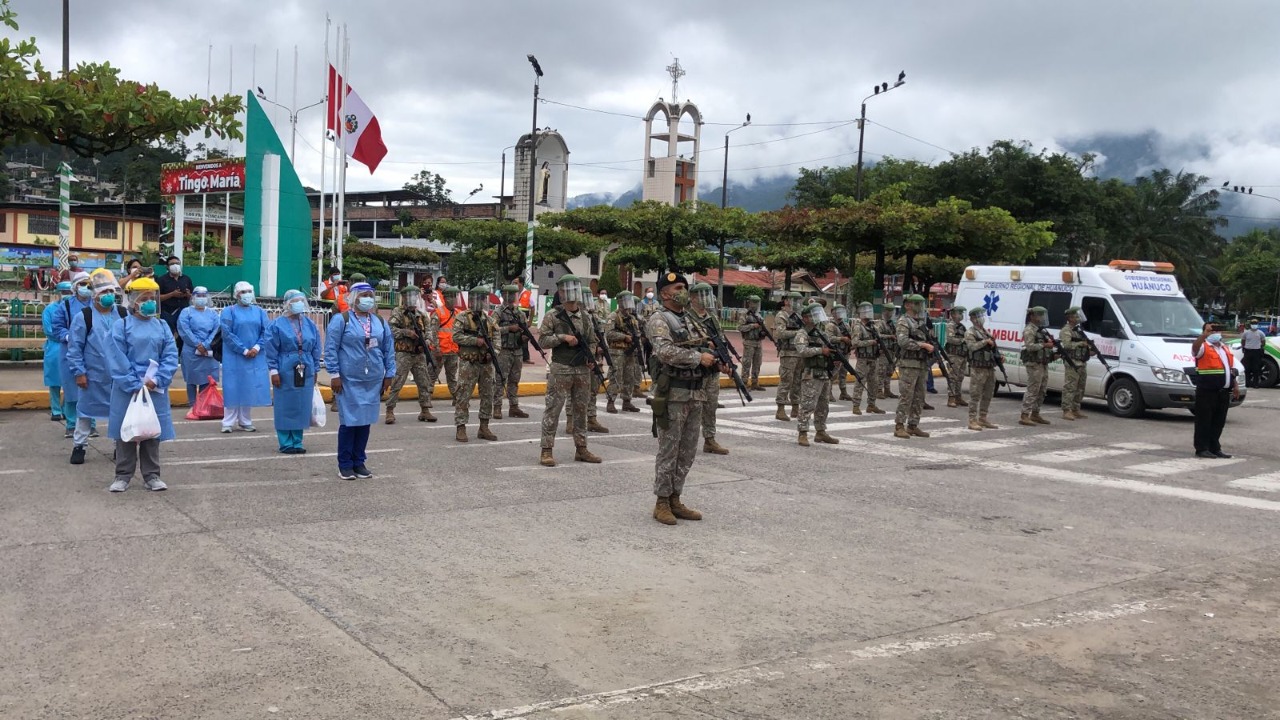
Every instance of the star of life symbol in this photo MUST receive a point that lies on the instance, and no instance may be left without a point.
(351, 125)
(991, 303)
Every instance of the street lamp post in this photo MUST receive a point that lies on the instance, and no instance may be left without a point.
(533, 172)
(878, 291)
(724, 203)
(293, 120)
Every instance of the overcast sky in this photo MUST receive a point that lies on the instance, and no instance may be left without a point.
(451, 87)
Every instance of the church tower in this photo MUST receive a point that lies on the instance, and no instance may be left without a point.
(552, 188)
(671, 170)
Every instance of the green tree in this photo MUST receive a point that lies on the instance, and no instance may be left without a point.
(91, 110)
(610, 278)
(485, 240)
(432, 187)
(1250, 271)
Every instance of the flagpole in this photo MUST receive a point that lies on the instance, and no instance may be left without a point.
(342, 145)
(324, 139)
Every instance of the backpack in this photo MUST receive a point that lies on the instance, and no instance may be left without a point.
(88, 317)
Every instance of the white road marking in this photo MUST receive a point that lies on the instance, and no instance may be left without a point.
(561, 464)
(1181, 465)
(1081, 454)
(1137, 446)
(1021, 440)
(798, 667)
(249, 436)
(599, 437)
(14, 472)
(1266, 483)
(271, 483)
(218, 422)
(310, 455)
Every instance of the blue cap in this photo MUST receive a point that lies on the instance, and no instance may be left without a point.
(361, 287)
(64, 286)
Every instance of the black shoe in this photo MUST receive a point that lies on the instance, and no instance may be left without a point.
(362, 472)
(56, 418)
(77, 455)
(1205, 454)
(68, 434)
(1220, 454)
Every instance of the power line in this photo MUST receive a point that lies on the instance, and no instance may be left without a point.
(912, 137)
(723, 124)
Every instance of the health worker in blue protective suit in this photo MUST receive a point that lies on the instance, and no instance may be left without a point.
(359, 354)
(141, 340)
(293, 359)
(245, 383)
(53, 352)
(89, 353)
(60, 322)
(198, 325)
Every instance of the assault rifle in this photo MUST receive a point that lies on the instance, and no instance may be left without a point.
(884, 348)
(583, 348)
(1045, 337)
(422, 343)
(1081, 335)
(841, 357)
(638, 345)
(997, 356)
(720, 348)
(482, 329)
(938, 356)
(528, 335)
(754, 318)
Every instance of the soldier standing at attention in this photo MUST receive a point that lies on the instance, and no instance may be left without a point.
(914, 350)
(1075, 346)
(440, 335)
(567, 331)
(886, 328)
(956, 357)
(477, 336)
(409, 328)
(752, 330)
(703, 299)
(867, 354)
(592, 308)
(1037, 353)
(627, 341)
(842, 332)
(786, 324)
(510, 353)
(982, 369)
(815, 371)
(679, 345)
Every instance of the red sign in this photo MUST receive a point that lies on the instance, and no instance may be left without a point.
(202, 176)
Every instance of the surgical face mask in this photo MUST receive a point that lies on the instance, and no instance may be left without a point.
(297, 307)
(176, 269)
(73, 264)
(106, 300)
(604, 296)
(1215, 339)
(83, 292)
(246, 298)
(681, 298)
(200, 302)
(366, 304)
(149, 308)
(648, 296)
(335, 278)
(1253, 326)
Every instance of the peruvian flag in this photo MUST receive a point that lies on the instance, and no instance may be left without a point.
(361, 135)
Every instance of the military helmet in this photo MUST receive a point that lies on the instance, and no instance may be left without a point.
(753, 299)
(913, 298)
(976, 312)
(511, 288)
(1037, 310)
(957, 309)
(570, 288)
(1073, 310)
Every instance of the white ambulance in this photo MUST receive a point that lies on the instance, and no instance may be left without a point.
(1134, 311)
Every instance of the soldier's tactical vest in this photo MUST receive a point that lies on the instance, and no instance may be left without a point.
(475, 326)
(870, 352)
(754, 334)
(410, 344)
(784, 320)
(684, 334)
(1080, 352)
(507, 316)
(624, 324)
(818, 364)
(887, 333)
(955, 339)
(564, 353)
(1043, 356)
(984, 357)
(915, 331)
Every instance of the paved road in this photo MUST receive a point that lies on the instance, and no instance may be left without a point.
(1088, 569)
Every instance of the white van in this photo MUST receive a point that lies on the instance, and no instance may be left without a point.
(1134, 311)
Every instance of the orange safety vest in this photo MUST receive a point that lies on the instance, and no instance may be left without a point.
(447, 345)
(337, 293)
(1210, 362)
(525, 297)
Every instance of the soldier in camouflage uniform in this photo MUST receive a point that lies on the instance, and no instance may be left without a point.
(701, 311)
(786, 323)
(680, 350)
(1075, 347)
(957, 357)
(752, 330)
(627, 343)
(887, 329)
(477, 336)
(409, 328)
(866, 351)
(816, 368)
(440, 335)
(1037, 352)
(842, 332)
(914, 348)
(982, 350)
(572, 370)
(598, 323)
(510, 353)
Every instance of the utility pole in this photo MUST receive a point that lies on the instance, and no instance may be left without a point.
(877, 292)
(533, 173)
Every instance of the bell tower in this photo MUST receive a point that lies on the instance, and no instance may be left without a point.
(670, 172)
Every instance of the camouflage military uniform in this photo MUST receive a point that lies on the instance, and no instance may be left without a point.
(886, 363)
(842, 332)
(815, 371)
(957, 358)
(982, 375)
(866, 353)
(569, 379)
(786, 324)
(510, 356)
(912, 365)
(752, 332)
(599, 318)
(678, 344)
(623, 330)
(711, 380)
(1036, 356)
(409, 328)
(1076, 347)
(475, 366)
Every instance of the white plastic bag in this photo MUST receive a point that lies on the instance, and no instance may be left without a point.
(140, 420)
(319, 411)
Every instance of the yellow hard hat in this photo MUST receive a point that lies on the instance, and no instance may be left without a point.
(143, 284)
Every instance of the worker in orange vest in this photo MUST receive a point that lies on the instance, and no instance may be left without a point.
(440, 335)
(1216, 387)
(335, 291)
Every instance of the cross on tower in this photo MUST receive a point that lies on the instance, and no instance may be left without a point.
(676, 73)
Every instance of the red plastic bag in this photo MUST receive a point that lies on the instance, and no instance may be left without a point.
(209, 404)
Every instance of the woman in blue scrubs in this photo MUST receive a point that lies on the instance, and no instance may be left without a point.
(293, 358)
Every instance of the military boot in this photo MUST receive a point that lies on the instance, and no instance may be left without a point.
(516, 412)
(984, 422)
(682, 511)
(844, 395)
(611, 408)
(872, 408)
(497, 411)
(960, 401)
(1035, 418)
(795, 410)
(782, 414)
(803, 440)
(568, 425)
(916, 431)
(951, 402)
(627, 406)
(900, 431)
(1079, 415)
(1025, 419)
(1067, 415)
(547, 460)
(975, 425)
(662, 512)
(594, 426)
(461, 435)
(582, 454)
(391, 416)
(426, 416)
(857, 410)
(823, 437)
(485, 433)
(709, 445)
(927, 406)
(889, 394)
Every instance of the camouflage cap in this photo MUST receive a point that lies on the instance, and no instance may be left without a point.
(976, 312)
(913, 298)
(957, 309)
(1073, 310)
(1037, 310)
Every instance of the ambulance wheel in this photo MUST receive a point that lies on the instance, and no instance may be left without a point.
(1124, 399)
(1270, 373)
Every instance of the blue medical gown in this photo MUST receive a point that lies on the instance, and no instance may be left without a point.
(137, 342)
(361, 367)
(60, 322)
(198, 327)
(52, 348)
(245, 382)
(89, 353)
(291, 405)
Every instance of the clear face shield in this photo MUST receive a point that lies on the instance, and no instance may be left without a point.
(509, 297)
(1081, 319)
(706, 298)
(627, 302)
(478, 301)
(841, 314)
(571, 291)
(588, 302)
(866, 312)
(817, 314)
(411, 297)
